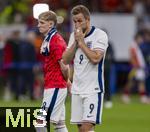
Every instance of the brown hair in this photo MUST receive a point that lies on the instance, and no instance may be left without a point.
(49, 16)
(81, 9)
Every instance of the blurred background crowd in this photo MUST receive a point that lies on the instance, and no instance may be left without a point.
(21, 75)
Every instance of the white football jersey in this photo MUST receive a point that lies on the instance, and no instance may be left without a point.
(88, 77)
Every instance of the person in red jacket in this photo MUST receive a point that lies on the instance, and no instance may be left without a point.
(55, 72)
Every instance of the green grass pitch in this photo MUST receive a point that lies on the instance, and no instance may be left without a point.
(134, 117)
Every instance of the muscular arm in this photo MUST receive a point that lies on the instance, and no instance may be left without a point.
(64, 69)
(66, 73)
(94, 56)
(71, 72)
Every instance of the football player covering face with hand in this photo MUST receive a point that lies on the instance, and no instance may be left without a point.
(81, 27)
(87, 47)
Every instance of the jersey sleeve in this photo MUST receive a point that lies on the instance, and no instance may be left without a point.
(101, 40)
(71, 40)
(59, 48)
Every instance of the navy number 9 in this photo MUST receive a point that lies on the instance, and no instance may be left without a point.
(91, 108)
(81, 59)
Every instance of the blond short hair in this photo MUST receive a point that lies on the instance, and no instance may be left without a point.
(48, 16)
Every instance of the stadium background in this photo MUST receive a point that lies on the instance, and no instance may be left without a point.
(121, 18)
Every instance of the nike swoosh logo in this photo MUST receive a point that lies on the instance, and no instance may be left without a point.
(89, 116)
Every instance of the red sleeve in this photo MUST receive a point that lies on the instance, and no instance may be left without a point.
(59, 47)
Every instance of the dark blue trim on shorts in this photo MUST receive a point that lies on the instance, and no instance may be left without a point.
(51, 106)
(98, 109)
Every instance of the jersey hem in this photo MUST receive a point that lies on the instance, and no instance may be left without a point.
(87, 93)
(55, 87)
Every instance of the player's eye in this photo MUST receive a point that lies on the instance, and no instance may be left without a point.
(77, 21)
(42, 22)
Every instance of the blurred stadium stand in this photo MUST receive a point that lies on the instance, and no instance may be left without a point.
(121, 18)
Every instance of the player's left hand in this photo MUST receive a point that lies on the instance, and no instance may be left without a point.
(79, 35)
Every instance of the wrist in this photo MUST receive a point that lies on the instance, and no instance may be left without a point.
(80, 43)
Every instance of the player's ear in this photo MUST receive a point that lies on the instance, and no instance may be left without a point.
(51, 24)
(87, 18)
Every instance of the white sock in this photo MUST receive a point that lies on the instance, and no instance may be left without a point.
(41, 129)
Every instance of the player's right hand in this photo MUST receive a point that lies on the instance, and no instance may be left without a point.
(69, 85)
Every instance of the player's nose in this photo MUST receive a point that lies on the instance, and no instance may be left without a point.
(77, 24)
(38, 25)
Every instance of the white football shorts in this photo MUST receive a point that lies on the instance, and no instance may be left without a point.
(140, 74)
(87, 108)
(54, 104)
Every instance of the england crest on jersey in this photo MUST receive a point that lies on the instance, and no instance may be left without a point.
(89, 44)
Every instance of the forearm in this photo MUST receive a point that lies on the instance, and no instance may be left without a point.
(66, 74)
(64, 69)
(69, 54)
(93, 55)
(71, 72)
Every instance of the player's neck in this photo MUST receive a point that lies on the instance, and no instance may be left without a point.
(88, 30)
(47, 32)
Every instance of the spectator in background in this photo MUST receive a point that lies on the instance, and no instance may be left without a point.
(27, 60)
(138, 8)
(2, 45)
(11, 60)
(145, 47)
(137, 73)
(39, 81)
